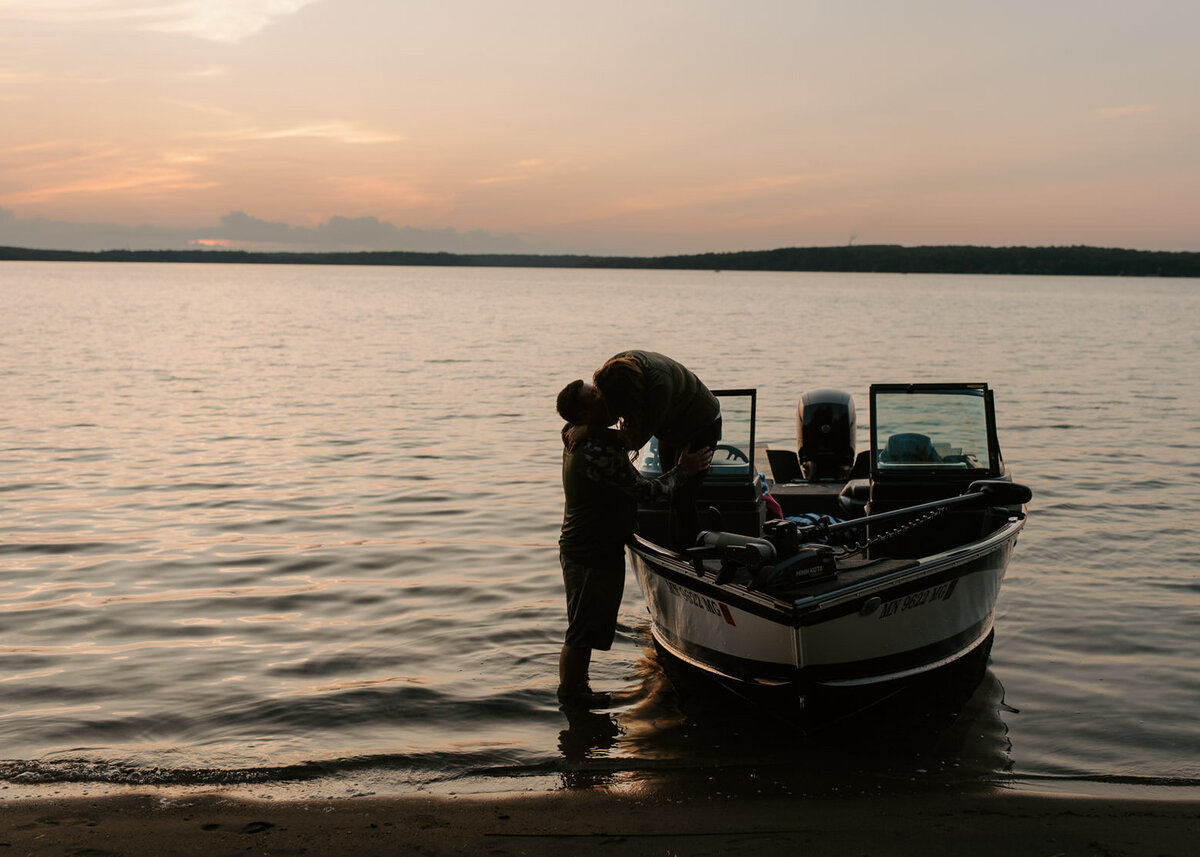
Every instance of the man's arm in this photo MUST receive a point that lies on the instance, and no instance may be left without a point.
(611, 466)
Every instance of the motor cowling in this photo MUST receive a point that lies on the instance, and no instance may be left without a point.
(826, 433)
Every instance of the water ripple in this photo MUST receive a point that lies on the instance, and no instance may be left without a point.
(270, 523)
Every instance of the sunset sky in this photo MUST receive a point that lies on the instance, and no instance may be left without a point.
(616, 127)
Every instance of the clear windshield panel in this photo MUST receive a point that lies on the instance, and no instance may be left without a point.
(647, 462)
(734, 455)
(733, 458)
(931, 430)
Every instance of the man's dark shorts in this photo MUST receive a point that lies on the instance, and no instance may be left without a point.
(593, 598)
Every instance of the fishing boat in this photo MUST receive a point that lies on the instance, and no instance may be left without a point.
(832, 567)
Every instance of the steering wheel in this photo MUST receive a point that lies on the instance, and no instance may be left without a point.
(731, 452)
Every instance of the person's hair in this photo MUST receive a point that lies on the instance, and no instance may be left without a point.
(568, 401)
(623, 385)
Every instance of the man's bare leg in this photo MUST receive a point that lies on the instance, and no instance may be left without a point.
(573, 670)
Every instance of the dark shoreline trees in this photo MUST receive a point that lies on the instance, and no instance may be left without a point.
(867, 258)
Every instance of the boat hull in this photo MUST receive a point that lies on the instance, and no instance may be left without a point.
(912, 619)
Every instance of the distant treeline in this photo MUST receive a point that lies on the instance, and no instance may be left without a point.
(868, 258)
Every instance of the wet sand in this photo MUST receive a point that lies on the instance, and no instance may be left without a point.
(982, 823)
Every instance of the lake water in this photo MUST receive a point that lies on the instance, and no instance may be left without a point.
(296, 526)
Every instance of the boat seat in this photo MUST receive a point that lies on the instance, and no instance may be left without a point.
(785, 465)
(910, 448)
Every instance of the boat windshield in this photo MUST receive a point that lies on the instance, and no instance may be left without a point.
(733, 458)
(932, 428)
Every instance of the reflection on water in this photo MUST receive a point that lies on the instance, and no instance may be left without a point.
(683, 730)
(589, 735)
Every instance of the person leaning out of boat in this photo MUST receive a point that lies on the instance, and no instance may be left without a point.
(602, 489)
(653, 395)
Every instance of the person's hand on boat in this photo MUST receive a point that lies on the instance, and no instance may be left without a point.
(695, 462)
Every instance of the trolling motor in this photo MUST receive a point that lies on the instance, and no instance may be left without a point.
(798, 561)
(736, 552)
(779, 557)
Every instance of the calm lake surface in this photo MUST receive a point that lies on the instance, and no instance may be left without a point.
(297, 526)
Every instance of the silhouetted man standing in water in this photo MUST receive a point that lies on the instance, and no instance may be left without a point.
(602, 490)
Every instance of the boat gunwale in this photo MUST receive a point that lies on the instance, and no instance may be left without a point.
(809, 610)
(925, 566)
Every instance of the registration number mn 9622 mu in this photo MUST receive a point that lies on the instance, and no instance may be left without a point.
(941, 592)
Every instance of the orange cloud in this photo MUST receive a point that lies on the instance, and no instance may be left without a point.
(124, 181)
(521, 171)
(338, 132)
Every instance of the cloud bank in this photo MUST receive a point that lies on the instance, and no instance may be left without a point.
(215, 20)
(241, 231)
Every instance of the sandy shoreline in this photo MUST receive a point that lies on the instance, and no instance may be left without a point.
(980, 823)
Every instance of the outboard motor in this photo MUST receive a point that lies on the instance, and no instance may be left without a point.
(825, 430)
